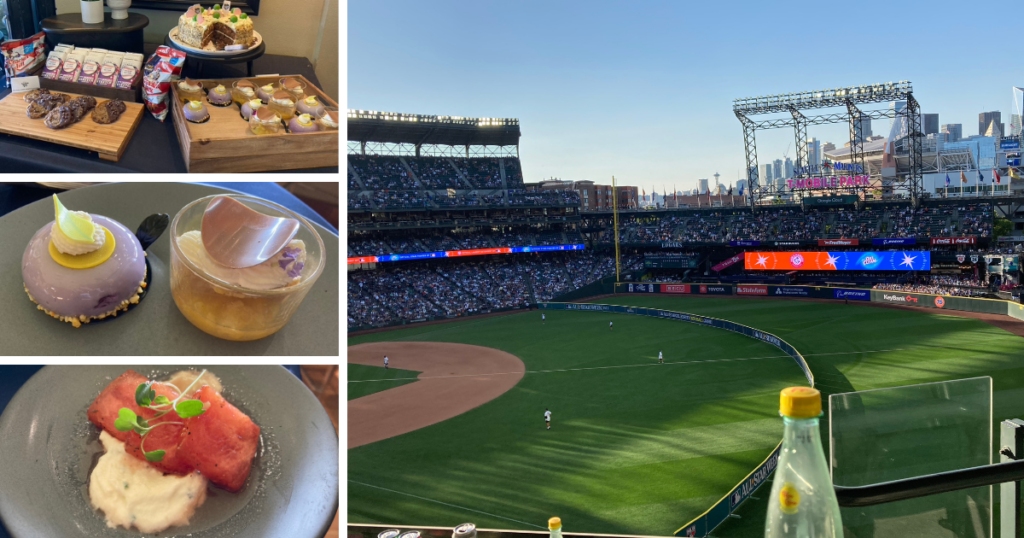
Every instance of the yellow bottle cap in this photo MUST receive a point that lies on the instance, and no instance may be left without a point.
(800, 402)
(555, 523)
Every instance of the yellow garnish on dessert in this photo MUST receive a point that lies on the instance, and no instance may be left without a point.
(311, 100)
(88, 260)
(305, 120)
(195, 105)
(74, 226)
(220, 89)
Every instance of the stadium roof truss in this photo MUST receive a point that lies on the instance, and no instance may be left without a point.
(794, 104)
(393, 133)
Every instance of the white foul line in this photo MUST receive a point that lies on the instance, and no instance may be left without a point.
(446, 504)
(617, 366)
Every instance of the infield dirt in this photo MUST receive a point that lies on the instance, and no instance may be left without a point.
(453, 379)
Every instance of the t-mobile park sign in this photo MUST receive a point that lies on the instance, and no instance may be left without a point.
(829, 182)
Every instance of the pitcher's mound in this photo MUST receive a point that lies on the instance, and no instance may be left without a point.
(454, 378)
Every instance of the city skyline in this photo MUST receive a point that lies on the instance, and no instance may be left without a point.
(639, 93)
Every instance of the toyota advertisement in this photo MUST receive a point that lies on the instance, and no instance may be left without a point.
(838, 261)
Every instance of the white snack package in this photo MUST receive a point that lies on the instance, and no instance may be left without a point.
(109, 69)
(90, 67)
(73, 65)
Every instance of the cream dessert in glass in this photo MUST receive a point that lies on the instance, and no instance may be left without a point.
(247, 303)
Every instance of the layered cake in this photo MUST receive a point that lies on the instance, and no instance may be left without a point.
(216, 28)
(82, 267)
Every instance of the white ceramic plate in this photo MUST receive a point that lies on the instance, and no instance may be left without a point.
(257, 39)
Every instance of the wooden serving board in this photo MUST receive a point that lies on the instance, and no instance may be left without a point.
(109, 141)
(225, 143)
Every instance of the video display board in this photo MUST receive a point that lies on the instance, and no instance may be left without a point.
(839, 261)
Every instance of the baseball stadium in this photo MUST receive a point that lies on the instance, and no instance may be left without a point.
(659, 339)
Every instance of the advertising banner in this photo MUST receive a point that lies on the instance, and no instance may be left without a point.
(671, 262)
(829, 200)
(705, 289)
(894, 241)
(838, 261)
(1009, 144)
(838, 242)
(790, 291)
(744, 243)
(748, 289)
(460, 253)
(786, 243)
(675, 288)
(856, 295)
(642, 288)
(969, 240)
(727, 263)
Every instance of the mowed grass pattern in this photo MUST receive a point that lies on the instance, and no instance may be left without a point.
(635, 447)
(643, 449)
(365, 380)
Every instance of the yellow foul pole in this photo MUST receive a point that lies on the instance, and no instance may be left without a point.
(615, 217)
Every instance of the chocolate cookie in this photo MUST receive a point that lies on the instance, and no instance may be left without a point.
(82, 105)
(108, 111)
(32, 95)
(42, 104)
(60, 117)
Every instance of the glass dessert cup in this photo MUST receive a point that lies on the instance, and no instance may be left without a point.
(286, 112)
(260, 127)
(328, 121)
(227, 310)
(294, 86)
(239, 96)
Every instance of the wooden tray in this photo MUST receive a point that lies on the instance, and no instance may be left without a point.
(225, 144)
(109, 141)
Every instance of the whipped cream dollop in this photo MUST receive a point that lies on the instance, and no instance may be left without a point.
(282, 270)
(327, 120)
(66, 245)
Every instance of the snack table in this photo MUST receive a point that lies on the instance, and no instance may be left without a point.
(154, 146)
(155, 326)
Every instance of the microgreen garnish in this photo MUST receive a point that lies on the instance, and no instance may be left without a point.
(146, 397)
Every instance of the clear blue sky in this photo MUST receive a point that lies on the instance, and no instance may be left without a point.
(643, 90)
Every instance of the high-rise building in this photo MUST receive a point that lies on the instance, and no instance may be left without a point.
(766, 174)
(703, 185)
(813, 152)
(930, 123)
(862, 128)
(896, 107)
(777, 169)
(1015, 127)
(953, 131)
(788, 173)
(985, 121)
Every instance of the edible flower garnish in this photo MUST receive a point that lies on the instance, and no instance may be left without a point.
(146, 398)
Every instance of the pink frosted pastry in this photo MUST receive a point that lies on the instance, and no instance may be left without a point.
(195, 112)
(249, 107)
(311, 106)
(302, 123)
(219, 96)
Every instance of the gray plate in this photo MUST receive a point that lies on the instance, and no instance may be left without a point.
(48, 446)
(156, 327)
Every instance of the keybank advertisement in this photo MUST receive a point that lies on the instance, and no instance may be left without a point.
(839, 261)
(857, 295)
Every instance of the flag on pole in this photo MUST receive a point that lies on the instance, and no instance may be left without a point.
(947, 179)
(981, 177)
(963, 177)
(995, 174)
(1014, 174)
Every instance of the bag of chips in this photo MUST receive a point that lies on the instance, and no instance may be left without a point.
(21, 56)
(162, 69)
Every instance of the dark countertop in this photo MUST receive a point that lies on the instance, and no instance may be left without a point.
(154, 147)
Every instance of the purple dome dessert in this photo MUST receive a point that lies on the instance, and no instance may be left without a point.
(74, 284)
(249, 107)
(219, 96)
(196, 112)
(311, 106)
(302, 123)
(265, 92)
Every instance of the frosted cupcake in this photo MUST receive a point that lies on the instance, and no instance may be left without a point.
(83, 267)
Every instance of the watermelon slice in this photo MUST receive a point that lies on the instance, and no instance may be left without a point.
(119, 393)
(166, 438)
(220, 443)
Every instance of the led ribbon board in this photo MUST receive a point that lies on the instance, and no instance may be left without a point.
(460, 253)
(839, 261)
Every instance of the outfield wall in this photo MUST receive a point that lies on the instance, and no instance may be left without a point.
(901, 298)
(714, 516)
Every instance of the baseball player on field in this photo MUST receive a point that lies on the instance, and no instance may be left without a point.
(547, 417)
(385, 362)
(661, 359)
(542, 318)
(609, 325)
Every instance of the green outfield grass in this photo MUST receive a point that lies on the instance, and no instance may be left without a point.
(370, 374)
(645, 448)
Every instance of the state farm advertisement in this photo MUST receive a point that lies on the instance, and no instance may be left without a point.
(838, 242)
(751, 290)
(969, 240)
